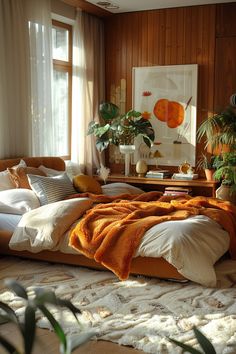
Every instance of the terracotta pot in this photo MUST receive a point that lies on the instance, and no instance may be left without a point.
(209, 174)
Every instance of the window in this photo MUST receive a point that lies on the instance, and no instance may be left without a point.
(62, 85)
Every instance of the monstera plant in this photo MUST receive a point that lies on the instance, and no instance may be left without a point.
(120, 129)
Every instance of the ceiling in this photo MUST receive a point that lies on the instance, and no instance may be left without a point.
(140, 5)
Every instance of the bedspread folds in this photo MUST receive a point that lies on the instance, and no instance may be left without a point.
(111, 233)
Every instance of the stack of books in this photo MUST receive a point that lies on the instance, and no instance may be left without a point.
(185, 176)
(159, 174)
(177, 191)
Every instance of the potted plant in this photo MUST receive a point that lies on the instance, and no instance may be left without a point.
(219, 132)
(206, 163)
(120, 129)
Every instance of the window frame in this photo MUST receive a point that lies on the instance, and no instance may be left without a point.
(66, 66)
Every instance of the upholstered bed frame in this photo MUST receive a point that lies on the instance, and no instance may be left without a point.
(155, 267)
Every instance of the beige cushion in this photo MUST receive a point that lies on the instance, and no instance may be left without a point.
(19, 175)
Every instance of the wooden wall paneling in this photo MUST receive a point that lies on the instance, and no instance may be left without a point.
(169, 37)
(180, 35)
(144, 39)
(150, 37)
(226, 20)
(129, 62)
(187, 35)
(225, 71)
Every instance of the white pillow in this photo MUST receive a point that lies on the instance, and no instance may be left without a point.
(44, 227)
(120, 188)
(18, 201)
(50, 172)
(5, 180)
(51, 189)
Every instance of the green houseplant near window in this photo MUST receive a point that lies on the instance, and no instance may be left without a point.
(120, 129)
(219, 132)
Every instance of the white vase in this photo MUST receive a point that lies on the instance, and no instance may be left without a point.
(127, 150)
(223, 192)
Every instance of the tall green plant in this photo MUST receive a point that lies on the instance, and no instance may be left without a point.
(120, 129)
(219, 132)
(27, 327)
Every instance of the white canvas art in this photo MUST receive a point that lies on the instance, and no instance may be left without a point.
(167, 96)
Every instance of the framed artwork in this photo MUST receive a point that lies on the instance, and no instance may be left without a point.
(167, 96)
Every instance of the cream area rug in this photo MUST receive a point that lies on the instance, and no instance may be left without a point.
(140, 312)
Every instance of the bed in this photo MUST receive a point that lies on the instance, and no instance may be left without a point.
(205, 241)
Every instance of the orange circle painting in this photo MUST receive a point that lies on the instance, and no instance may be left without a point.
(171, 112)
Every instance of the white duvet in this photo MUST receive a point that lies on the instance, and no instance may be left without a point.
(192, 245)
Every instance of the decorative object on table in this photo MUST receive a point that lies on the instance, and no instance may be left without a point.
(156, 155)
(127, 150)
(219, 132)
(159, 174)
(186, 172)
(170, 91)
(120, 129)
(184, 168)
(141, 168)
(103, 172)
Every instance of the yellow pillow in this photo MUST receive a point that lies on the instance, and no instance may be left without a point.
(84, 183)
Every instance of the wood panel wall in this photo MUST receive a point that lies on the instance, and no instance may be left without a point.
(225, 55)
(186, 35)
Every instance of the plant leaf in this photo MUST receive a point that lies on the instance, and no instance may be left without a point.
(8, 346)
(108, 110)
(18, 289)
(187, 348)
(10, 313)
(204, 342)
(29, 329)
(56, 326)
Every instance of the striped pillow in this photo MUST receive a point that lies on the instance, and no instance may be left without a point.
(51, 189)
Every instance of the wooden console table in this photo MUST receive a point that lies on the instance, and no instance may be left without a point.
(198, 186)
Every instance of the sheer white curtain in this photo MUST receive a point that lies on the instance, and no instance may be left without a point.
(15, 122)
(40, 44)
(26, 125)
(87, 87)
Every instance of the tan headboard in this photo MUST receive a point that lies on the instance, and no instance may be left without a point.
(56, 163)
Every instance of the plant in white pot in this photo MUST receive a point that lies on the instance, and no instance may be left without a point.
(120, 130)
(219, 132)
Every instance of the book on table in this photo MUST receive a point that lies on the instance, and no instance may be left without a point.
(158, 174)
(185, 176)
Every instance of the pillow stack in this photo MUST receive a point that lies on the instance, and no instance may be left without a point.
(23, 188)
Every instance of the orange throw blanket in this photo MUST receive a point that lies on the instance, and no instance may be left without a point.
(111, 233)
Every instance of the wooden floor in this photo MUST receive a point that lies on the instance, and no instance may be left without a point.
(47, 343)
